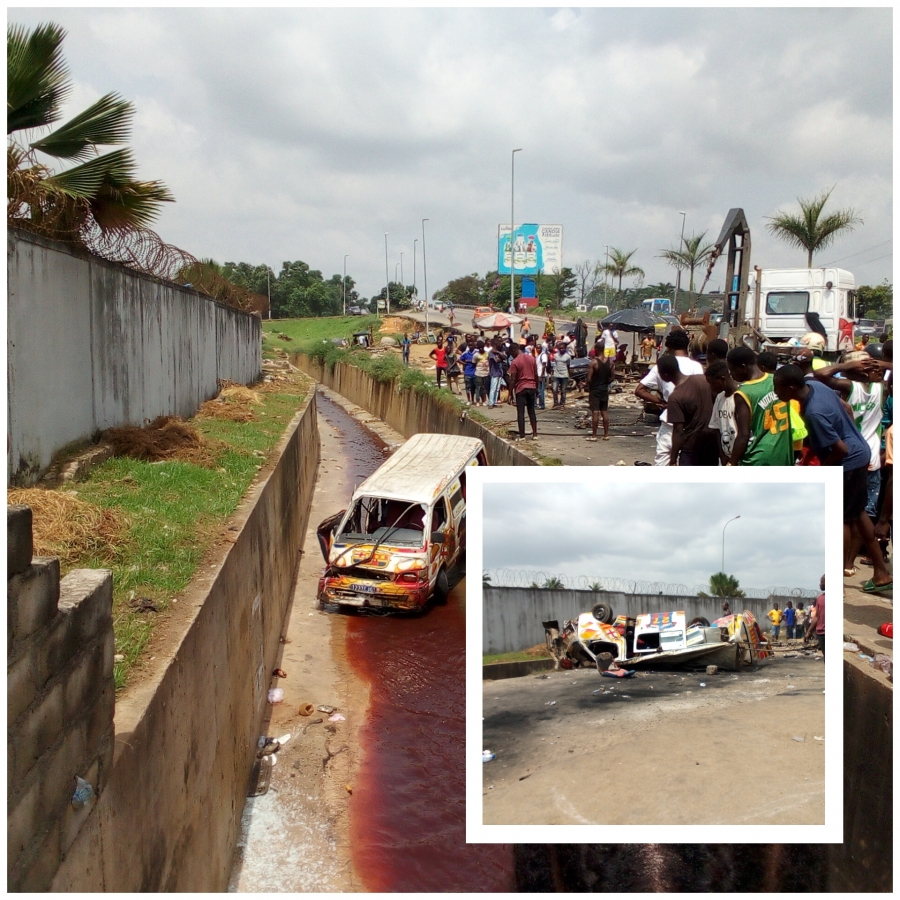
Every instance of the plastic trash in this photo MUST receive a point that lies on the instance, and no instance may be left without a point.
(84, 792)
(818, 738)
(885, 663)
(306, 709)
(487, 756)
(550, 703)
(328, 710)
(275, 695)
(799, 740)
(853, 648)
(702, 684)
(337, 717)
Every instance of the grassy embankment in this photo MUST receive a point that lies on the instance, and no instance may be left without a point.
(168, 514)
(537, 652)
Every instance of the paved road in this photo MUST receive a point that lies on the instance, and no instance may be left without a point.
(463, 320)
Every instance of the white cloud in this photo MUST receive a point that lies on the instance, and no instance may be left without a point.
(308, 133)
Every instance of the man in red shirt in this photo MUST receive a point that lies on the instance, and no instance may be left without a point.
(523, 378)
(439, 355)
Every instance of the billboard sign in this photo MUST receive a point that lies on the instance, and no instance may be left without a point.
(536, 248)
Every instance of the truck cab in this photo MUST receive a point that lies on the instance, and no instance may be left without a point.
(786, 296)
(660, 305)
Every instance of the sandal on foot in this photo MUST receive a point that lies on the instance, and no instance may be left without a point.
(849, 573)
(593, 440)
(871, 588)
(605, 438)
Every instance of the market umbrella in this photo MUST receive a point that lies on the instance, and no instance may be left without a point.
(496, 321)
(633, 320)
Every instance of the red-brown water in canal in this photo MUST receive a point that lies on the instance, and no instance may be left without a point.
(408, 810)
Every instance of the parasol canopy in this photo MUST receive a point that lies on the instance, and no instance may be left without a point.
(634, 320)
(496, 321)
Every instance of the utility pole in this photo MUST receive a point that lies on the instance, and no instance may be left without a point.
(678, 270)
(425, 274)
(512, 230)
(344, 284)
(269, 291)
(387, 280)
(415, 286)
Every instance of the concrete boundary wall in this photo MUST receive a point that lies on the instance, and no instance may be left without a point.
(409, 412)
(92, 344)
(512, 616)
(169, 816)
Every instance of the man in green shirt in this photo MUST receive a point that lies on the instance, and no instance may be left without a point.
(762, 421)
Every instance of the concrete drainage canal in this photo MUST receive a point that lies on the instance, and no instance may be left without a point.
(375, 800)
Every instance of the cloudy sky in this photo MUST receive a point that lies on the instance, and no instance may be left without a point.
(309, 133)
(671, 534)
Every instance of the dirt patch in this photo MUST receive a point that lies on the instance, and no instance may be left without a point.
(165, 438)
(70, 528)
(395, 325)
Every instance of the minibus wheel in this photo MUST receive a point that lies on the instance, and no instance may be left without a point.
(441, 587)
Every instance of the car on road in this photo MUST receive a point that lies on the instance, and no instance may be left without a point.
(481, 311)
(355, 311)
(866, 326)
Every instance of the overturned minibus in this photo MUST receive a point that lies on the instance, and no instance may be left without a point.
(404, 529)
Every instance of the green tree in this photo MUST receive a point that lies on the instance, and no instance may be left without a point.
(102, 189)
(554, 584)
(693, 253)
(722, 585)
(557, 287)
(811, 231)
(400, 295)
(877, 300)
(466, 290)
(619, 266)
(485, 580)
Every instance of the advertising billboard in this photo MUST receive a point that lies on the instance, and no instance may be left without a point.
(537, 248)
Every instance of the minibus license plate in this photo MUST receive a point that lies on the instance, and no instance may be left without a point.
(363, 588)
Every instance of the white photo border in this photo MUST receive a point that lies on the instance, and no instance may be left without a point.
(829, 833)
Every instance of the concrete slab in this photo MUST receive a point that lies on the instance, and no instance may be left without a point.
(863, 613)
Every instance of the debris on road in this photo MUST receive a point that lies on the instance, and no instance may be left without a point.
(306, 709)
(487, 756)
(275, 695)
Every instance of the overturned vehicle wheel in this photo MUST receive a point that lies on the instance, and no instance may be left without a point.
(603, 612)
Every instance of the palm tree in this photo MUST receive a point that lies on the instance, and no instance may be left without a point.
(808, 230)
(595, 586)
(554, 584)
(618, 266)
(692, 254)
(103, 189)
(485, 579)
(722, 585)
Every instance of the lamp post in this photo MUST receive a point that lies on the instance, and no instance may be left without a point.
(678, 270)
(723, 540)
(512, 231)
(401, 268)
(415, 287)
(606, 275)
(387, 280)
(344, 284)
(425, 274)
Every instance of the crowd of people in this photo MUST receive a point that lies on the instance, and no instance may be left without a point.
(741, 408)
(801, 624)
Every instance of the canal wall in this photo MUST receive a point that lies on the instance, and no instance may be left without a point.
(93, 344)
(512, 616)
(409, 412)
(169, 816)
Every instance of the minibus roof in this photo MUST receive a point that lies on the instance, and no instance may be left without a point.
(421, 468)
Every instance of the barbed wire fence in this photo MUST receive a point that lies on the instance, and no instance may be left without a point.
(521, 579)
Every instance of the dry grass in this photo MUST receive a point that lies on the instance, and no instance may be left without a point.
(233, 403)
(165, 438)
(395, 325)
(70, 528)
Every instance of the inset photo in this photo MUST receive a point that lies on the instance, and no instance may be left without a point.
(651, 657)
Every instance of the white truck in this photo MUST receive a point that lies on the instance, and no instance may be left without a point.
(785, 304)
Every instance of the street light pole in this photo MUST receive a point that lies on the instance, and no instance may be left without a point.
(723, 540)
(425, 274)
(401, 269)
(678, 270)
(512, 230)
(606, 275)
(387, 280)
(415, 287)
(344, 284)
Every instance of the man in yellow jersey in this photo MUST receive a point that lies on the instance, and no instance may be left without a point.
(762, 421)
(774, 616)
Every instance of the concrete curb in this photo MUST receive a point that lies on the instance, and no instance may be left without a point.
(496, 671)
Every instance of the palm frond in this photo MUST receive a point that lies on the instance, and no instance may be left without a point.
(86, 180)
(36, 76)
(108, 121)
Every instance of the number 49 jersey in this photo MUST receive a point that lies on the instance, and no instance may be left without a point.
(771, 443)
